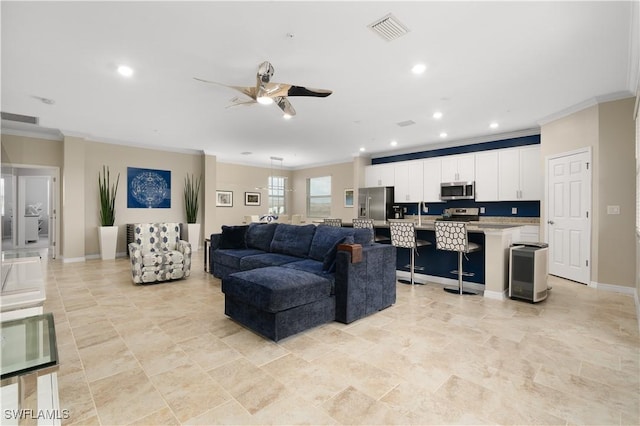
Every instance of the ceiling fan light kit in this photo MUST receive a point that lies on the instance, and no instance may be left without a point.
(266, 92)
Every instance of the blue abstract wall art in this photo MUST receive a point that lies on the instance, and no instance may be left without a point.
(148, 188)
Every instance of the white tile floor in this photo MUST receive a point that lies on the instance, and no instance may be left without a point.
(166, 354)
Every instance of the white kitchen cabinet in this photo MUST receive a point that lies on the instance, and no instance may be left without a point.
(379, 175)
(408, 182)
(458, 168)
(520, 175)
(487, 176)
(432, 173)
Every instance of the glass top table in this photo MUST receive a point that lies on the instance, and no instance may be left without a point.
(28, 345)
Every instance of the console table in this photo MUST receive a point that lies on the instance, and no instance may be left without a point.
(23, 290)
(29, 365)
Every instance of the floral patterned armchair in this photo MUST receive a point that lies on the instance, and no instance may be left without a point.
(158, 254)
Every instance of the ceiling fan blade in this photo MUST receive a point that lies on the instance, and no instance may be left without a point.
(235, 101)
(308, 91)
(285, 105)
(249, 91)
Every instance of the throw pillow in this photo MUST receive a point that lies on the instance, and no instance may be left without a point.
(233, 237)
(329, 261)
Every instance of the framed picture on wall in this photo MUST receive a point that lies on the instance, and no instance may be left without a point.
(348, 197)
(251, 198)
(224, 198)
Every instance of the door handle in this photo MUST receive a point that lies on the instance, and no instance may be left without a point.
(550, 222)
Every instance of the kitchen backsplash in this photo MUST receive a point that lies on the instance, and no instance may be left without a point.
(498, 208)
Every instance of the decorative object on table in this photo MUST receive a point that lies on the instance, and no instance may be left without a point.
(224, 198)
(266, 92)
(148, 188)
(107, 232)
(335, 222)
(191, 205)
(348, 197)
(268, 218)
(251, 198)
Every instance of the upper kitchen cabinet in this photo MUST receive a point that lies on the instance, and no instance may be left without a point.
(379, 175)
(408, 182)
(432, 174)
(487, 176)
(458, 168)
(520, 174)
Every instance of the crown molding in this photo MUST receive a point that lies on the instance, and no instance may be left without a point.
(596, 100)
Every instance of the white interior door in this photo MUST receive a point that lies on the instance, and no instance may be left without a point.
(569, 215)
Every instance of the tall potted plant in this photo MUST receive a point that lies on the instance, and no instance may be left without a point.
(107, 232)
(191, 205)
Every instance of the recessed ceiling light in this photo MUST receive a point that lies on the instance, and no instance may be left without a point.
(362, 149)
(287, 117)
(264, 100)
(419, 68)
(394, 143)
(437, 115)
(443, 134)
(125, 71)
(493, 125)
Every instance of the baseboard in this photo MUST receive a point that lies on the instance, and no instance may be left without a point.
(441, 280)
(496, 295)
(613, 288)
(73, 259)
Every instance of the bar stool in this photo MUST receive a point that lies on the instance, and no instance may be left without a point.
(368, 224)
(403, 235)
(333, 222)
(452, 236)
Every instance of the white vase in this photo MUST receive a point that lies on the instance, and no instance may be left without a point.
(193, 235)
(108, 240)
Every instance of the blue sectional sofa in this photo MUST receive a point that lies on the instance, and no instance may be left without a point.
(281, 279)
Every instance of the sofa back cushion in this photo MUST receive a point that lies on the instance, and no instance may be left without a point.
(293, 240)
(325, 238)
(363, 236)
(259, 235)
(233, 237)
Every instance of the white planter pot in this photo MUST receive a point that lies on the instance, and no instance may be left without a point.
(193, 235)
(108, 240)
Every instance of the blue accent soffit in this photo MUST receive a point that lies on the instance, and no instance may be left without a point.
(463, 149)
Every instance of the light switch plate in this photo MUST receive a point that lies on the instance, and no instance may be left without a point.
(514, 210)
(613, 209)
(481, 210)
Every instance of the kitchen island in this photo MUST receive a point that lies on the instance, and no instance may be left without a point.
(490, 265)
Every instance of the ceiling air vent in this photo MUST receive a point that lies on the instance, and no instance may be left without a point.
(19, 118)
(406, 123)
(389, 28)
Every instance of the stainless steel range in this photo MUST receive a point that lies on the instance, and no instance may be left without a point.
(461, 214)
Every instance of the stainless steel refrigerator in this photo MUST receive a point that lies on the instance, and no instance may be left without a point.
(375, 203)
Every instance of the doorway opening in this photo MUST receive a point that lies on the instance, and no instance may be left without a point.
(29, 206)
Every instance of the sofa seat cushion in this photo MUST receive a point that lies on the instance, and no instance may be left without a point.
(293, 240)
(275, 289)
(265, 259)
(162, 258)
(314, 267)
(232, 257)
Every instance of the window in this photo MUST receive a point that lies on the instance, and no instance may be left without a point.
(277, 191)
(319, 197)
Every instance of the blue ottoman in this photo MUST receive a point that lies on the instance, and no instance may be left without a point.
(278, 302)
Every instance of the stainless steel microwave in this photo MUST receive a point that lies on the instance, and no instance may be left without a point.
(457, 191)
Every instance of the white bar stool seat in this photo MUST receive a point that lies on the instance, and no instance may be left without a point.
(453, 236)
(403, 235)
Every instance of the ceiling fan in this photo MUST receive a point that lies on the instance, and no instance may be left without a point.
(266, 92)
